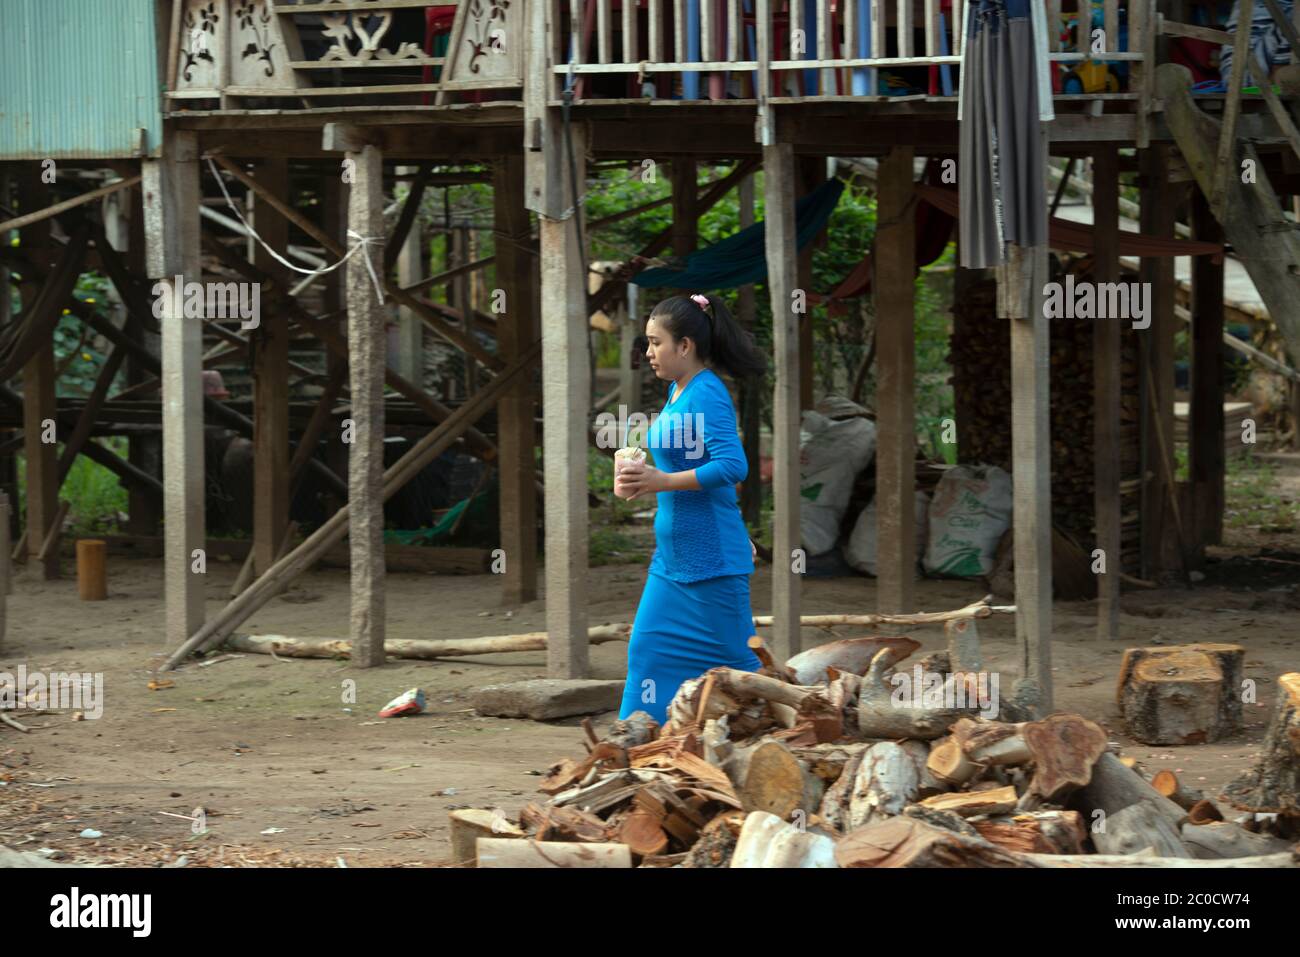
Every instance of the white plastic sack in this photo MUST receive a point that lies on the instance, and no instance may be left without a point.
(968, 516)
(860, 552)
(831, 454)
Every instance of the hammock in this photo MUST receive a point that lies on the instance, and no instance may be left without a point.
(741, 258)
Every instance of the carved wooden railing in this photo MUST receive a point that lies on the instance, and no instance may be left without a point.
(325, 52)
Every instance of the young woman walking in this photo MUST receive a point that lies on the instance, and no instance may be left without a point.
(694, 612)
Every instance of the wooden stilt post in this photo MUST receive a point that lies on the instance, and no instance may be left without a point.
(39, 410)
(270, 382)
(143, 451)
(411, 264)
(1205, 453)
(367, 347)
(1160, 537)
(686, 214)
(335, 223)
(517, 329)
(566, 400)
(895, 391)
(171, 212)
(1020, 300)
(787, 566)
(1106, 393)
(812, 170)
(751, 400)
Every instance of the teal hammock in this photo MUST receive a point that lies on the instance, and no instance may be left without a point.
(741, 258)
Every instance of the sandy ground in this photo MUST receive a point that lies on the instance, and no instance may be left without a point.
(262, 743)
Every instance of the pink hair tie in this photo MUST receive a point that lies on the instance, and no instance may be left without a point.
(701, 301)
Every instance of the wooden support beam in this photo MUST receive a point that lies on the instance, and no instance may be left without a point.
(1106, 381)
(751, 399)
(1205, 453)
(685, 224)
(1020, 300)
(144, 452)
(788, 561)
(367, 342)
(270, 367)
(74, 443)
(566, 400)
(895, 280)
(1226, 153)
(411, 260)
(1160, 549)
(171, 210)
(812, 170)
(518, 277)
(40, 426)
(320, 418)
(19, 222)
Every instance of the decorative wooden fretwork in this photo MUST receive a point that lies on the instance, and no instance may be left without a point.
(486, 48)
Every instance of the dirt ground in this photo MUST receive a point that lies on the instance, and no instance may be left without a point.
(263, 743)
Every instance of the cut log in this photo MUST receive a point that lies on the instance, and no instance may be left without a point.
(1190, 694)
(642, 831)
(498, 852)
(964, 652)
(552, 823)
(971, 803)
(1137, 827)
(829, 761)
(767, 841)
(887, 780)
(1272, 786)
(417, 648)
(1166, 782)
(1217, 841)
(1290, 859)
(771, 667)
(468, 825)
(1036, 832)
(767, 777)
(946, 820)
(851, 655)
(972, 746)
(839, 794)
(1204, 812)
(1065, 749)
(889, 706)
(1114, 787)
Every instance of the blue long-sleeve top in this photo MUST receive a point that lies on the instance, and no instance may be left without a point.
(700, 533)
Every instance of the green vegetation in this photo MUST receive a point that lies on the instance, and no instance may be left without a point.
(1253, 499)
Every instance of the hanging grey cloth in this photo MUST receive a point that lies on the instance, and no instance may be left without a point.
(1000, 158)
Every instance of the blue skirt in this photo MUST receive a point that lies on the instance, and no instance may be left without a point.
(682, 630)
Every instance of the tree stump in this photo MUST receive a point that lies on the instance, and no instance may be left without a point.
(1272, 786)
(1189, 694)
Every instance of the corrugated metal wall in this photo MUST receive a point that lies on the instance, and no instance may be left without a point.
(78, 78)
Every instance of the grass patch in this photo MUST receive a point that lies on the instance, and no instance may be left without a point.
(1252, 497)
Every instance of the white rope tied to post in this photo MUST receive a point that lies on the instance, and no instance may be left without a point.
(359, 242)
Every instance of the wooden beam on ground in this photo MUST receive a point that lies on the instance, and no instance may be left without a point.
(779, 245)
(367, 341)
(1020, 300)
(1106, 380)
(895, 280)
(566, 399)
(1206, 457)
(171, 209)
(270, 367)
(335, 528)
(518, 277)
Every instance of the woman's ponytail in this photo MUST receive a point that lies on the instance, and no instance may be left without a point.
(716, 333)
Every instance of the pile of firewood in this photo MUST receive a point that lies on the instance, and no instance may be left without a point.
(980, 356)
(818, 762)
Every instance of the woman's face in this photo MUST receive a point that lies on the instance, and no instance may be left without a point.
(669, 358)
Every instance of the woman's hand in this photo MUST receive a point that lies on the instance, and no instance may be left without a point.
(635, 479)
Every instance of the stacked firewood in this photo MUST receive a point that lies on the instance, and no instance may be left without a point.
(821, 762)
(980, 356)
